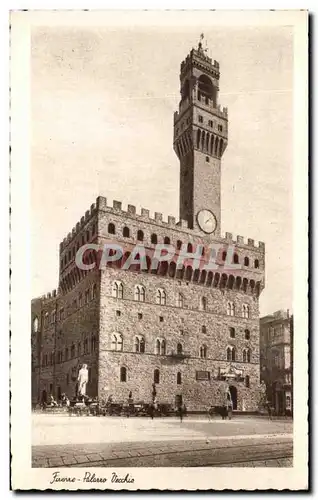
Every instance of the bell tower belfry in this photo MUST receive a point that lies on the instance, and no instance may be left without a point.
(200, 139)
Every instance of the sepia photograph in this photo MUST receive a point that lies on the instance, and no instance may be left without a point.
(162, 316)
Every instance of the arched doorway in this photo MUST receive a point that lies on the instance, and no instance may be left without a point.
(233, 391)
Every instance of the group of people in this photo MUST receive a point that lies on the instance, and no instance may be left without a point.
(52, 403)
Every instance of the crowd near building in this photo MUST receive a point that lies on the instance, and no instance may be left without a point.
(276, 359)
(186, 330)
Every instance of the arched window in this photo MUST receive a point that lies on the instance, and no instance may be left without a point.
(248, 355)
(136, 344)
(35, 324)
(203, 303)
(203, 329)
(247, 334)
(154, 239)
(180, 300)
(161, 297)
(123, 374)
(179, 348)
(230, 353)
(245, 311)
(117, 342)
(212, 145)
(230, 309)
(196, 275)
(203, 351)
(179, 378)
(139, 343)
(246, 261)
(157, 346)
(203, 277)
(224, 256)
(206, 89)
(232, 333)
(46, 319)
(118, 290)
(189, 273)
(126, 232)
(221, 147)
(87, 235)
(256, 263)
(163, 348)
(172, 269)
(247, 381)
(156, 376)
(166, 240)
(86, 346)
(140, 293)
(142, 345)
(179, 244)
(207, 142)
(198, 138)
(216, 147)
(140, 235)
(235, 258)
(190, 247)
(111, 228)
(203, 140)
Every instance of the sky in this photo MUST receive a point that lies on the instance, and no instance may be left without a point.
(102, 104)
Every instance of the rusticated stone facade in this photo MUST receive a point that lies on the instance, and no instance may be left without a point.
(185, 330)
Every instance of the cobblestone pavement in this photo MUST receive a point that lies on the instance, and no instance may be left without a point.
(60, 441)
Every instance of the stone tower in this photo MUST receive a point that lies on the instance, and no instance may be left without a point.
(200, 139)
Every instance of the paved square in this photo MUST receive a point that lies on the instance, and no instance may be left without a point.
(60, 440)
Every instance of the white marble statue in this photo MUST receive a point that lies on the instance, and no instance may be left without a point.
(82, 380)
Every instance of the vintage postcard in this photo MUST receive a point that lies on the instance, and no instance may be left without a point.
(159, 197)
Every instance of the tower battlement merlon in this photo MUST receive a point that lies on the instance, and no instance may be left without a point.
(131, 212)
(199, 58)
(89, 214)
(241, 241)
(47, 296)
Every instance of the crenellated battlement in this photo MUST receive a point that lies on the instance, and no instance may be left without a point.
(143, 215)
(78, 227)
(241, 241)
(201, 58)
(170, 221)
(49, 296)
(220, 111)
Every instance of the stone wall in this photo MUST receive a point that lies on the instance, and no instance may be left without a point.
(178, 325)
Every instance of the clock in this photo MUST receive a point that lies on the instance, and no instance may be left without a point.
(207, 221)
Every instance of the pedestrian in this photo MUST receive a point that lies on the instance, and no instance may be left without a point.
(151, 410)
(229, 409)
(184, 409)
(269, 410)
(180, 412)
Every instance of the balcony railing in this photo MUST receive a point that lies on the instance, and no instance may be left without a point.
(180, 355)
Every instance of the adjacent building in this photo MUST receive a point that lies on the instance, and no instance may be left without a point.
(184, 331)
(276, 358)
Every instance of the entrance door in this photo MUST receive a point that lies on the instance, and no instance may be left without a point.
(233, 391)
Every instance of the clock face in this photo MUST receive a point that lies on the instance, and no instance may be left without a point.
(207, 221)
